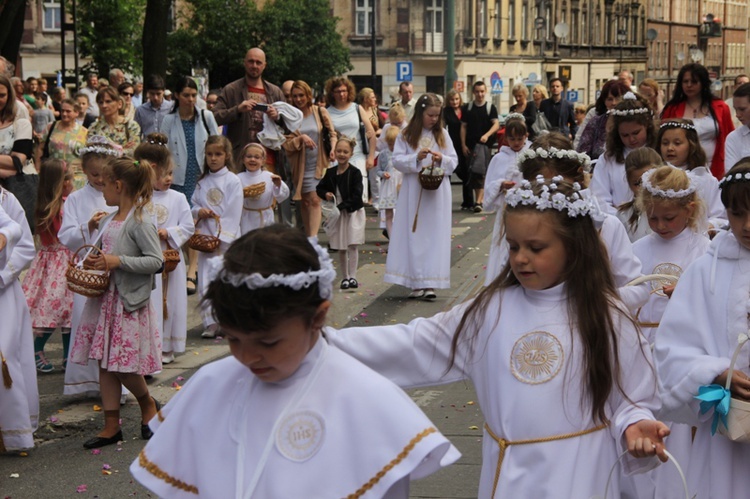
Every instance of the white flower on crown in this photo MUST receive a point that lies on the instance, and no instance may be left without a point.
(734, 177)
(573, 206)
(553, 152)
(669, 193)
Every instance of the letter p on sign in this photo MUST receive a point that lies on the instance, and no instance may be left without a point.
(404, 71)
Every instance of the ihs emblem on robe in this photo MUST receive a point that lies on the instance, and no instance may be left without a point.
(162, 213)
(536, 358)
(300, 435)
(668, 269)
(214, 196)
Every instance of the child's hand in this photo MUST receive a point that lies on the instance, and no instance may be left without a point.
(422, 154)
(504, 186)
(102, 262)
(668, 290)
(163, 234)
(740, 386)
(276, 180)
(437, 156)
(646, 438)
(386, 175)
(3, 242)
(330, 196)
(206, 213)
(94, 222)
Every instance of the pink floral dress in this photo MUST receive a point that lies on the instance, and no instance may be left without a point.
(49, 299)
(122, 341)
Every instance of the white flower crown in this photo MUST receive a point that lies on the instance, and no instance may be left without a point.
(324, 276)
(101, 145)
(553, 152)
(574, 205)
(669, 193)
(515, 116)
(674, 124)
(734, 177)
(629, 112)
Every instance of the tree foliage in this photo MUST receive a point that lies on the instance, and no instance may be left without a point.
(11, 28)
(109, 33)
(299, 38)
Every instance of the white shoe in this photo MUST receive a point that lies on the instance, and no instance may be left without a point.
(430, 295)
(417, 293)
(208, 333)
(167, 358)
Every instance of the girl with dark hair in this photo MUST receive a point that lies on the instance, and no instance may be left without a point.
(692, 99)
(592, 134)
(557, 362)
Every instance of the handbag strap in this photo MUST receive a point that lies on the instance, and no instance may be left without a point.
(45, 151)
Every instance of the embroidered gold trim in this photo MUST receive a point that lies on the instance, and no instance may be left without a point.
(163, 475)
(388, 467)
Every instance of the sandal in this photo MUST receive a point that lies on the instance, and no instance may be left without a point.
(42, 364)
(192, 289)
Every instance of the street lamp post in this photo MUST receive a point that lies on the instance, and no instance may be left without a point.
(622, 35)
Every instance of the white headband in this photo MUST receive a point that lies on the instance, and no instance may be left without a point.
(574, 205)
(553, 152)
(669, 193)
(324, 276)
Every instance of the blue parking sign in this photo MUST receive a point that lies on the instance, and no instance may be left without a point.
(572, 95)
(404, 71)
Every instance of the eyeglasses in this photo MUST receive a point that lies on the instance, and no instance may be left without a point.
(127, 94)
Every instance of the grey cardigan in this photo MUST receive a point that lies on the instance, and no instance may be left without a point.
(141, 257)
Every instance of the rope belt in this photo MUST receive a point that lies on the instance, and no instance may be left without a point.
(504, 444)
(259, 210)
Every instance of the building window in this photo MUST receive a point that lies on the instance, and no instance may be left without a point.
(482, 14)
(584, 27)
(525, 21)
(51, 16)
(512, 19)
(433, 26)
(363, 14)
(498, 19)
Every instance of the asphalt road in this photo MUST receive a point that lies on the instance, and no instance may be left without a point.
(59, 467)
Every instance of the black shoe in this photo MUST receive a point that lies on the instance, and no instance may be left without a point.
(194, 289)
(97, 442)
(344, 284)
(353, 284)
(385, 233)
(146, 432)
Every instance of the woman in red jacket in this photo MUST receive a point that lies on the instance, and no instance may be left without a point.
(692, 99)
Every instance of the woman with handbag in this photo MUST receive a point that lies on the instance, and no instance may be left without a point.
(309, 149)
(64, 140)
(17, 173)
(350, 120)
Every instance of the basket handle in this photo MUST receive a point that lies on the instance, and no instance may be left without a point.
(671, 458)
(218, 225)
(741, 339)
(652, 277)
(91, 248)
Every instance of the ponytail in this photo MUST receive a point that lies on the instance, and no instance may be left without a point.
(138, 179)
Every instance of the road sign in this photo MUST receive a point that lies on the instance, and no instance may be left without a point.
(496, 84)
(572, 96)
(404, 71)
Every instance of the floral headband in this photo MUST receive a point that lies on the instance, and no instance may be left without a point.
(675, 124)
(101, 145)
(733, 178)
(669, 193)
(575, 205)
(629, 112)
(324, 276)
(515, 116)
(553, 152)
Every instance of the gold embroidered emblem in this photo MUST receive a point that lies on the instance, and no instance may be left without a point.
(162, 213)
(214, 196)
(300, 435)
(536, 358)
(668, 269)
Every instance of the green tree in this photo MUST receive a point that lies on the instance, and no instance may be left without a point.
(299, 38)
(301, 43)
(11, 28)
(109, 32)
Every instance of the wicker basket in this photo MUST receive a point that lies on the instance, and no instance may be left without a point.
(206, 243)
(171, 259)
(254, 191)
(738, 418)
(429, 181)
(86, 282)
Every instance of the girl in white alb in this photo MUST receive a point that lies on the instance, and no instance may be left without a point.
(537, 347)
(419, 252)
(680, 147)
(502, 174)
(707, 314)
(669, 200)
(632, 123)
(289, 417)
(174, 223)
(217, 199)
(260, 189)
(636, 164)
(19, 396)
(82, 212)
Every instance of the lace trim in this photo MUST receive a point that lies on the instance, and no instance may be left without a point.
(395, 462)
(154, 469)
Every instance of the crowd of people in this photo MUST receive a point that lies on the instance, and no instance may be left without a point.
(615, 289)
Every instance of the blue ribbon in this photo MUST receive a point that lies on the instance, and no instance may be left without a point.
(715, 397)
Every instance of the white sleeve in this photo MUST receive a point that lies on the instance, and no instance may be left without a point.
(732, 149)
(180, 233)
(24, 250)
(281, 192)
(230, 217)
(404, 158)
(73, 232)
(601, 184)
(12, 232)
(625, 265)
